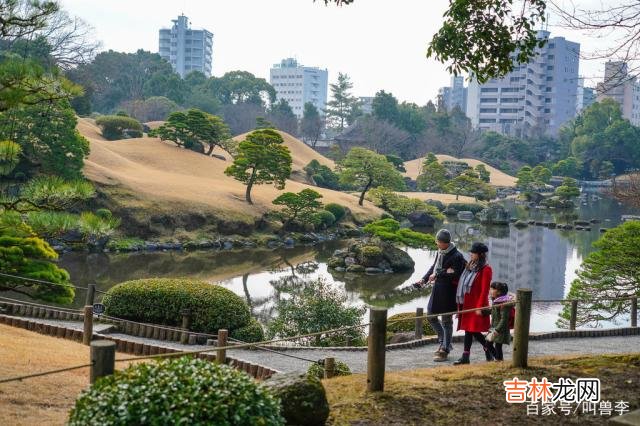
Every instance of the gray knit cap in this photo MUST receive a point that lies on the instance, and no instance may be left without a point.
(444, 236)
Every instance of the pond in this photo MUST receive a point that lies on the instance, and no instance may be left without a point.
(542, 259)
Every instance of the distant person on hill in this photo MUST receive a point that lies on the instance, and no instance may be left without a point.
(443, 275)
(473, 292)
(501, 318)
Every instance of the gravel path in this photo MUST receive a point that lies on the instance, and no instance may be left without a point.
(421, 357)
(397, 359)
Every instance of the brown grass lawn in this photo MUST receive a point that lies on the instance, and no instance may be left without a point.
(42, 400)
(497, 177)
(474, 394)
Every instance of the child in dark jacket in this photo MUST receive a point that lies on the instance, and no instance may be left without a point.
(499, 333)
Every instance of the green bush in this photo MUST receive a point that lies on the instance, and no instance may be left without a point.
(472, 207)
(317, 370)
(114, 126)
(161, 300)
(104, 213)
(92, 225)
(437, 204)
(389, 230)
(253, 332)
(408, 325)
(324, 218)
(338, 211)
(176, 391)
(51, 224)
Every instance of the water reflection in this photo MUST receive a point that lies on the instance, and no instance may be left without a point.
(539, 258)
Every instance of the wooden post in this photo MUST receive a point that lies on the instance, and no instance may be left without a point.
(87, 334)
(91, 292)
(186, 324)
(419, 322)
(329, 367)
(574, 315)
(376, 350)
(103, 359)
(347, 341)
(221, 354)
(634, 312)
(521, 328)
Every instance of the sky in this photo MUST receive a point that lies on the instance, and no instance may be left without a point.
(380, 44)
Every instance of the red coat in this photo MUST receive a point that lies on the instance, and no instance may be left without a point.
(478, 297)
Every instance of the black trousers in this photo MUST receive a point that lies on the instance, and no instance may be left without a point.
(496, 350)
(468, 339)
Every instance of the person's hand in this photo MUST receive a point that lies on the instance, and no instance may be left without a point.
(478, 312)
(432, 278)
(450, 271)
(418, 284)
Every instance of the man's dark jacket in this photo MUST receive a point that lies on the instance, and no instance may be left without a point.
(443, 295)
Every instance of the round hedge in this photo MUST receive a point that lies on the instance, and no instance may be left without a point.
(161, 301)
(252, 332)
(338, 211)
(409, 324)
(176, 391)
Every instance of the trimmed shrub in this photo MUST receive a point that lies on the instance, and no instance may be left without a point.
(324, 218)
(252, 332)
(177, 391)
(437, 204)
(104, 213)
(337, 210)
(114, 126)
(408, 325)
(161, 300)
(317, 370)
(471, 207)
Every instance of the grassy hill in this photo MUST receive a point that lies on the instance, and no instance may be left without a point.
(148, 174)
(498, 178)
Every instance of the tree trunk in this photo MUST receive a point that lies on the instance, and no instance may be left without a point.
(366, 188)
(211, 146)
(249, 185)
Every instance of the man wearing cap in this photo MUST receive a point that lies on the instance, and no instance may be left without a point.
(443, 275)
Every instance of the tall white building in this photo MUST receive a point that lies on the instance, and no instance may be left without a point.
(585, 97)
(186, 49)
(540, 94)
(454, 95)
(623, 88)
(298, 85)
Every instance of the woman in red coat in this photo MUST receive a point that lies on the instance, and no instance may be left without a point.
(473, 292)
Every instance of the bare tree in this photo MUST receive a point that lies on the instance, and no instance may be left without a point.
(71, 40)
(626, 189)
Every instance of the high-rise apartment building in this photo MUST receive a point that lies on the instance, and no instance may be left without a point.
(186, 49)
(454, 95)
(623, 88)
(585, 97)
(538, 95)
(298, 85)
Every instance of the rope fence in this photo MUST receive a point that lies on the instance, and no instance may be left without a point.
(376, 342)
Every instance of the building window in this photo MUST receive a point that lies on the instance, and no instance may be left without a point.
(509, 89)
(488, 110)
(487, 120)
(550, 68)
(549, 78)
(488, 90)
(488, 100)
(509, 100)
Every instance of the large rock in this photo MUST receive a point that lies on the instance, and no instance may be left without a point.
(399, 260)
(402, 337)
(369, 256)
(304, 401)
(421, 219)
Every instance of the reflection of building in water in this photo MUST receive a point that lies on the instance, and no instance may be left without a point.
(535, 257)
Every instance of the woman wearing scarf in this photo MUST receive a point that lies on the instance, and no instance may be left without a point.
(473, 292)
